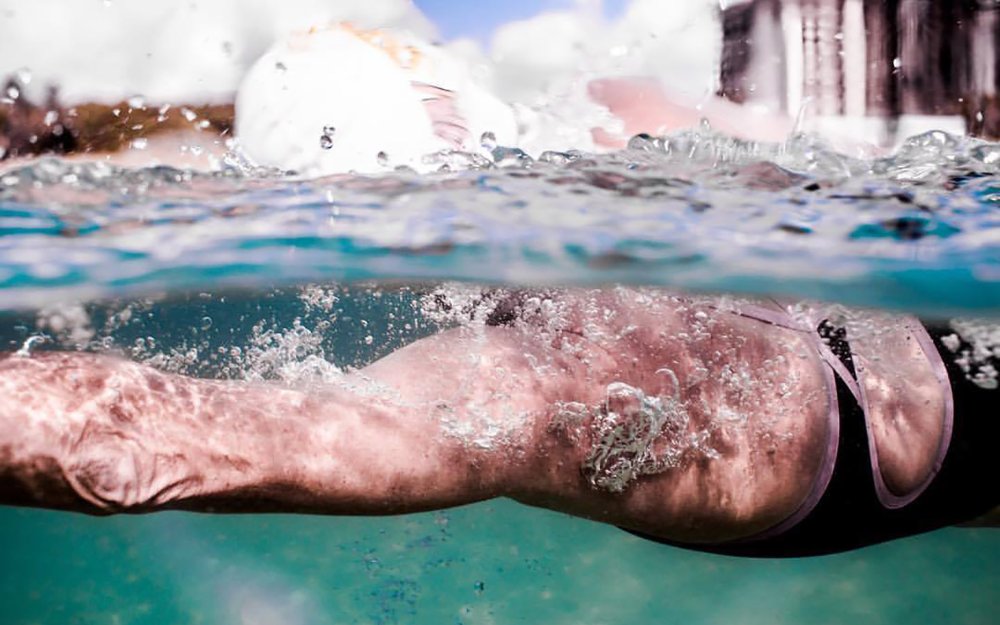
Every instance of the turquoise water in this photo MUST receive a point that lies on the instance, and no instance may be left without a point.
(249, 276)
(489, 563)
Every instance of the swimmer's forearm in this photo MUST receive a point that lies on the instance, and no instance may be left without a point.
(101, 435)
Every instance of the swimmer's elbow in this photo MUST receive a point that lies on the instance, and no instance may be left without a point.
(111, 473)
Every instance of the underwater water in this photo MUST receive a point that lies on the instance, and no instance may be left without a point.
(255, 275)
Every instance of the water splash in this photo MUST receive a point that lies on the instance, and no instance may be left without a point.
(694, 210)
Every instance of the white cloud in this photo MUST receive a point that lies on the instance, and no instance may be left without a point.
(543, 64)
(192, 51)
(677, 42)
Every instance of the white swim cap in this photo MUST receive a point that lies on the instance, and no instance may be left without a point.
(331, 100)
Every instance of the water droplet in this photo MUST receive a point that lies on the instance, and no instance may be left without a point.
(189, 114)
(206, 323)
(897, 62)
(511, 157)
(488, 140)
(646, 143)
(988, 154)
(137, 102)
(554, 158)
(382, 159)
(13, 92)
(326, 139)
(51, 117)
(23, 76)
(369, 339)
(140, 144)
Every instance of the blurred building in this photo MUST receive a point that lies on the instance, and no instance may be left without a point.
(855, 60)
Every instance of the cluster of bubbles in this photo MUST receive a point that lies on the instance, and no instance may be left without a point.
(632, 434)
(976, 346)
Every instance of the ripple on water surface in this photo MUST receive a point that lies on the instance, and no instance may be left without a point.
(919, 229)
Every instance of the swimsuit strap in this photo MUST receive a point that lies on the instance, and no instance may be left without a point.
(850, 513)
(842, 361)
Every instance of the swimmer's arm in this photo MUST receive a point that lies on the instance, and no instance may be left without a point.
(644, 106)
(99, 435)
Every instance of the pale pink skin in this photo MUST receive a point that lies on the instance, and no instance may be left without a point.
(99, 434)
(645, 106)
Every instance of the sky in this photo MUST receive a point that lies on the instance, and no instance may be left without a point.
(478, 19)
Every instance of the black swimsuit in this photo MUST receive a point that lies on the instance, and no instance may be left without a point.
(850, 506)
(850, 514)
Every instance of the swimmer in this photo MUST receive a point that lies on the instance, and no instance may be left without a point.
(737, 427)
(339, 99)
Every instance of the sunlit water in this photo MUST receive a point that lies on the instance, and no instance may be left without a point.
(249, 276)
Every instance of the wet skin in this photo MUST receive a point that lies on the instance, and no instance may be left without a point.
(660, 413)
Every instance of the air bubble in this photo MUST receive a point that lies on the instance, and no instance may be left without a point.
(29, 343)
